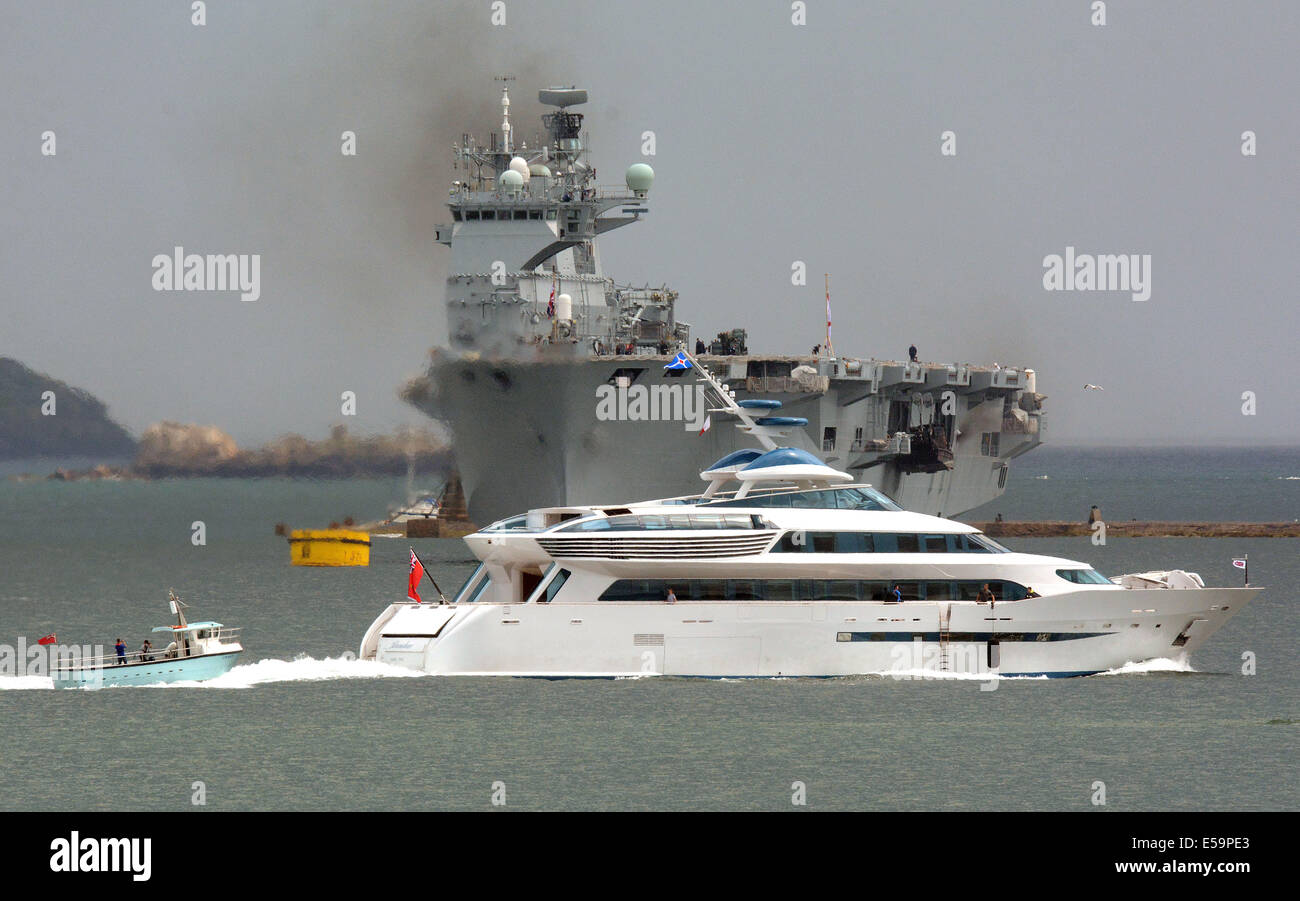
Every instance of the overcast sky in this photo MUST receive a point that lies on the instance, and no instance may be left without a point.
(775, 143)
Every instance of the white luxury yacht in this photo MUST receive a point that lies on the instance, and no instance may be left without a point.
(784, 566)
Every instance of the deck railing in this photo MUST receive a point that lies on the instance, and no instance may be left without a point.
(66, 662)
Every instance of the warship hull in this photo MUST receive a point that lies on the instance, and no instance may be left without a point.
(540, 433)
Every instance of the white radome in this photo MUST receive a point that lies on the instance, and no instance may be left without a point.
(640, 177)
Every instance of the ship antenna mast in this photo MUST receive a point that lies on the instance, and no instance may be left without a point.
(505, 110)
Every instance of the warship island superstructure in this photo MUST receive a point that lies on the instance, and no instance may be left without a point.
(560, 385)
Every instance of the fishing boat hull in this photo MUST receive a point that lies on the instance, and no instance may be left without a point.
(197, 668)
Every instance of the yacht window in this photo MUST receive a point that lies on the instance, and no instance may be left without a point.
(939, 591)
(808, 499)
(1083, 576)
(986, 545)
(656, 590)
(911, 591)
(554, 587)
(478, 590)
(709, 589)
(776, 590)
(864, 499)
(908, 544)
(936, 544)
(836, 590)
(472, 576)
(853, 543)
(998, 548)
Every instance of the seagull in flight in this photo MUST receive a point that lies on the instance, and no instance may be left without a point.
(1091, 387)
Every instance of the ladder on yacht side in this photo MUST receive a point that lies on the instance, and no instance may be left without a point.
(945, 633)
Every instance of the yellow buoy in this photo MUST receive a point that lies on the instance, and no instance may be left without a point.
(329, 547)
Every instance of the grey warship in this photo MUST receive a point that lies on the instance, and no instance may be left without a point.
(560, 386)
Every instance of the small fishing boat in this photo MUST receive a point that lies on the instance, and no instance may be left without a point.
(196, 652)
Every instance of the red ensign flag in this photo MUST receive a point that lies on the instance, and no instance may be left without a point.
(413, 582)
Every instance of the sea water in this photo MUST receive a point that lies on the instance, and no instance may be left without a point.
(300, 724)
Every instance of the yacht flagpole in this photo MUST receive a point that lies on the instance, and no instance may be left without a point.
(442, 597)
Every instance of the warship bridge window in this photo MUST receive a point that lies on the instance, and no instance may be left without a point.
(1083, 576)
(471, 214)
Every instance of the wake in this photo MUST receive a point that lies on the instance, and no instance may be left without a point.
(1158, 665)
(248, 675)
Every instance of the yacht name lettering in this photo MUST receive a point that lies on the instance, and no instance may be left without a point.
(103, 855)
(1098, 272)
(642, 403)
(180, 271)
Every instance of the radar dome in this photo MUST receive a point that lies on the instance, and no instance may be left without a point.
(640, 177)
(511, 180)
(520, 165)
(537, 170)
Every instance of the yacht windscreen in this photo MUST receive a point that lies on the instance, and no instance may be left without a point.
(654, 522)
(1083, 576)
(852, 498)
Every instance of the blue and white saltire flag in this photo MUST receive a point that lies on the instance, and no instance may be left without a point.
(679, 362)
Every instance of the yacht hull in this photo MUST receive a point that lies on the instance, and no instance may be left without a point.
(1073, 633)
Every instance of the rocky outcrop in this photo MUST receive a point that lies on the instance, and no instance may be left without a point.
(41, 416)
(175, 446)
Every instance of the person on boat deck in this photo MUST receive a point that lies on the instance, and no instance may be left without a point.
(985, 595)
(699, 347)
(146, 651)
(1030, 593)
(672, 596)
(120, 647)
(898, 594)
(911, 353)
